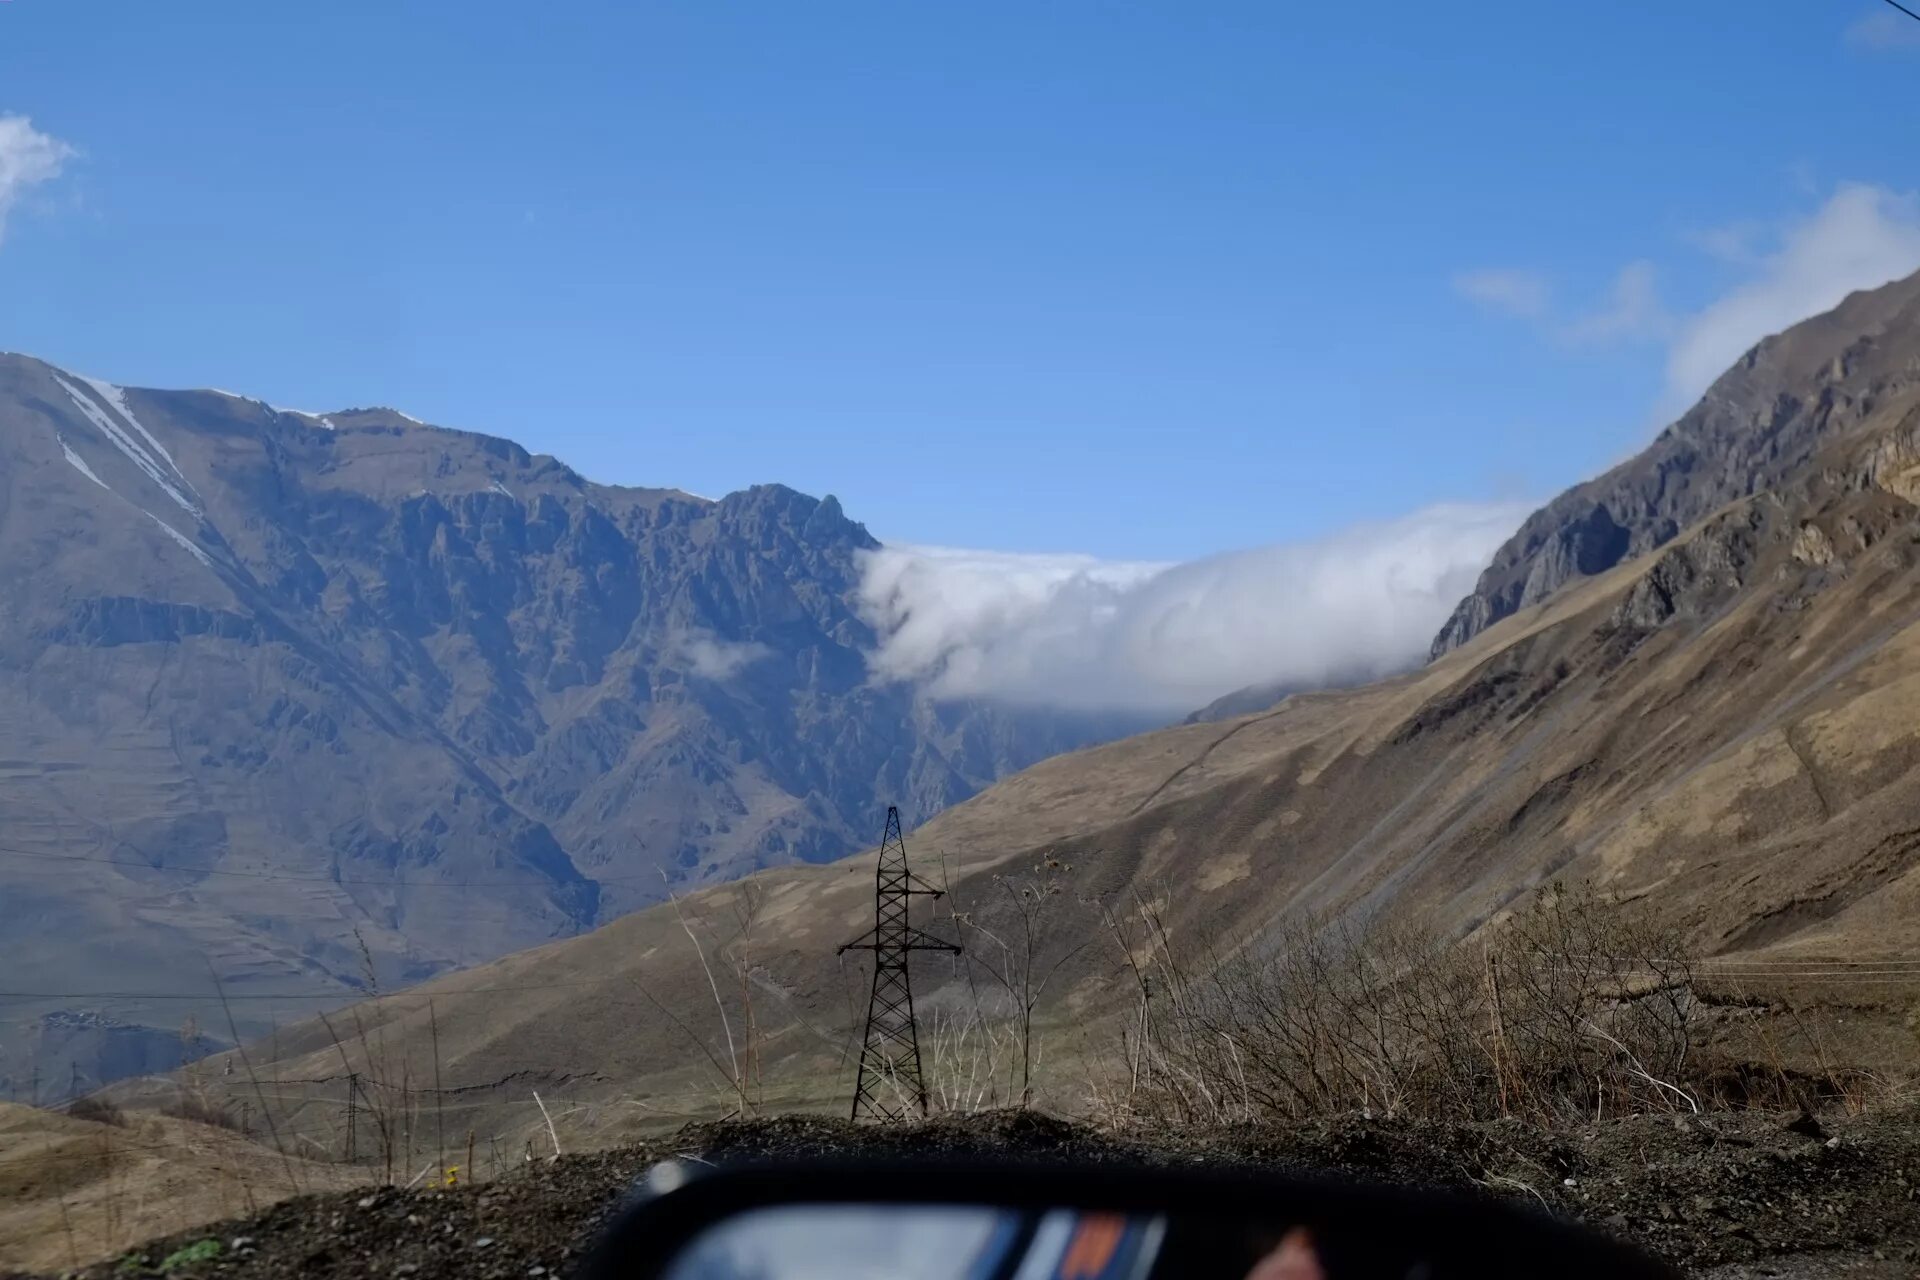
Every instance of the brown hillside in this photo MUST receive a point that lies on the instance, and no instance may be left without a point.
(1724, 732)
(1721, 730)
(76, 1191)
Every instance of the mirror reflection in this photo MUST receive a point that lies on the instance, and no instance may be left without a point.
(977, 1242)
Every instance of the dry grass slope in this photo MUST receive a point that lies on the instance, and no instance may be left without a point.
(1721, 734)
(75, 1191)
(1719, 737)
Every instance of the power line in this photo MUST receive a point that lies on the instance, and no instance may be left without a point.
(1741, 963)
(275, 875)
(343, 993)
(1902, 8)
(1891, 969)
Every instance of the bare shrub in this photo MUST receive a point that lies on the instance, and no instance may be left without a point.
(964, 1056)
(202, 1110)
(1324, 1017)
(735, 1059)
(1567, 1008)
(1594, 1009)
(98, 1110)
(1015, 939)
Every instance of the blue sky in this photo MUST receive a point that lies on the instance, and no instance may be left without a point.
(1144, 281)
(1138, 280)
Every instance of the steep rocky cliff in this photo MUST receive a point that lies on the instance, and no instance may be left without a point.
(1759, 423)
(318, 694)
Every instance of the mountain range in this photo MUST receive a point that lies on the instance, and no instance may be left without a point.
(1693, 684)
(331, 701)
(445, 699)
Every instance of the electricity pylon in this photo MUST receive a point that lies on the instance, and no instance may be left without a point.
(890, 1080)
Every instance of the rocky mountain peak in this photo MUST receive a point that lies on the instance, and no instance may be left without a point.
(319, 680)
(1757, 424)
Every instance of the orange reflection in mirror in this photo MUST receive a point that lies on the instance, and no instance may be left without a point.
(1294, 1258)
(1093, 1245)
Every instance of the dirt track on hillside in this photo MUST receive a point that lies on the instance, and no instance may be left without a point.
(1726, 1198)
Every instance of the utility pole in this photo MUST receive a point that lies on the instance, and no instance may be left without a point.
(889, 1084)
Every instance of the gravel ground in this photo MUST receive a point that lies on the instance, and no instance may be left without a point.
(1733, 1197)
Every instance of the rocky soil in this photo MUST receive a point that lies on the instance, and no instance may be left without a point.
(1726, 1197)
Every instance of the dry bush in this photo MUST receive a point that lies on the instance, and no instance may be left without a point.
(735, 1059)
(1594, 1009)
(1013, 945)
(202, 1110)
(98, 1110)
(1568, 1008)
(1780, 1060)
(1164, 1071)
(967, 1059)
(369, 1089)
(1029, 952)
(382, 1108)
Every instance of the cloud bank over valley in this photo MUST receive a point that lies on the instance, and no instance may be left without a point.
(1075, 631)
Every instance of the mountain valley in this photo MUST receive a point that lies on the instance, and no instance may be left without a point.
(1717, 731)
(329, 703)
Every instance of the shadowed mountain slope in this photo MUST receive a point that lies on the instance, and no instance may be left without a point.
(308, 696)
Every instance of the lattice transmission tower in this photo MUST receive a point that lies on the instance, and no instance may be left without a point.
(890, 1084)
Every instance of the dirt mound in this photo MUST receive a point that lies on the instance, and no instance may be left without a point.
(1746, 1196)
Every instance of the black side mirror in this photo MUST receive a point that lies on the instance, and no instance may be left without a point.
(1033, 1222)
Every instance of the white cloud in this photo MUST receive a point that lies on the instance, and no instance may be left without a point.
(27, 159)
(1862, 237)
(1064, 630)
(1883, 29)
(1734, 242)
(1633, 311)
(712, 658)
(1505, 289)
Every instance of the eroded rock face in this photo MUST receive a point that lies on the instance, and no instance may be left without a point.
(1692, 577)
(1811, 546)
(319, 676)
(1843, 512)
(1895, 463)
(1760, 423)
